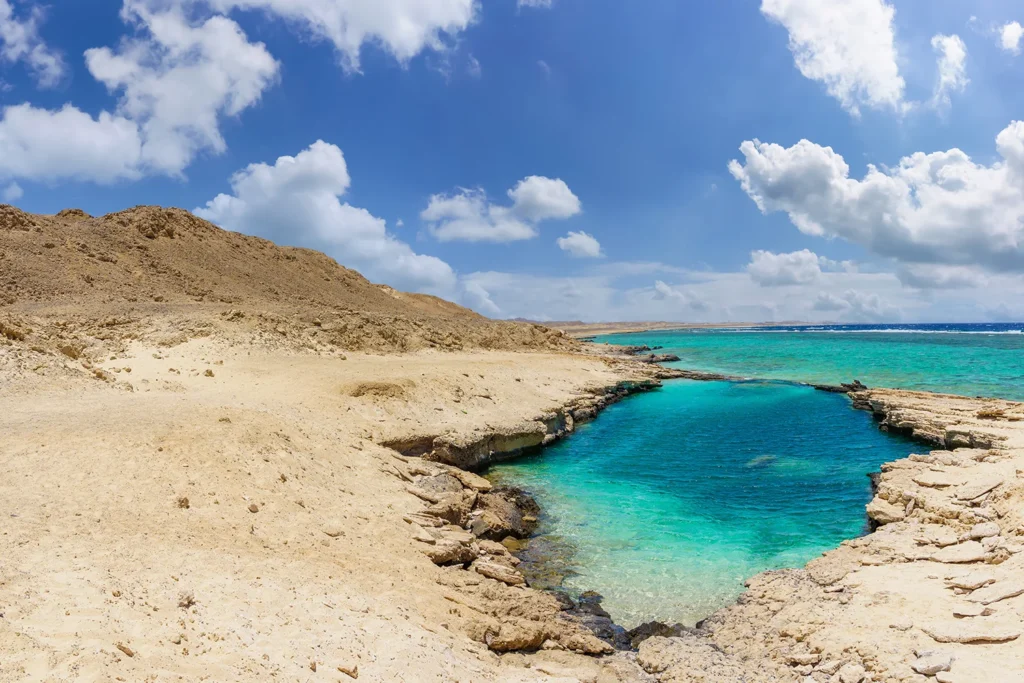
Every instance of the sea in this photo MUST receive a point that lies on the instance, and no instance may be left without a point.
(670, 500)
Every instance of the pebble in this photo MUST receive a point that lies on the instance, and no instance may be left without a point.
(352, 671)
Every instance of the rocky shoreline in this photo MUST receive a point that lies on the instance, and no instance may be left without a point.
(923, 519)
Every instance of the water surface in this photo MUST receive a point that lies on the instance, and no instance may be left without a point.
(671, 499)
(971, 359)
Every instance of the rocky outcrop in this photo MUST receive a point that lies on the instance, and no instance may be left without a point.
(475, 450)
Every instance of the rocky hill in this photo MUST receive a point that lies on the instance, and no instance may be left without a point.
(164, 274)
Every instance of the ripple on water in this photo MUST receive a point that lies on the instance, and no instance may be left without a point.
(671, 499)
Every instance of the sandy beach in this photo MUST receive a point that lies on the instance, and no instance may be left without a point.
(207, 479)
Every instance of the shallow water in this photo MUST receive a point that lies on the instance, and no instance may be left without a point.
(671, 499)
(973, 360)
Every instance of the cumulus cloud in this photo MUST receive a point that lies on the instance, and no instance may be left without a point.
(12, 193)
(580, 245)
(773, 270)
(952, 62)
(176, 81)
(403, 28)
(1010, 36)
(848, 46)
(297, 201)
(468, 216)
(678, 295)
(940, 208)
(854, 306)
(940, 277)
(68, 144)
(20, 42)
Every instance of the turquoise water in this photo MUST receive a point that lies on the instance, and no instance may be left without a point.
(671, 499)
(961, 360)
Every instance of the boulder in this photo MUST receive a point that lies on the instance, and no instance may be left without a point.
(518, 634)
(852, 673)
(454, 508)
(883, 512)
(446, 551)
(498, 572)
(472, 481)
(931, 663)
(505, 512)
(652, 629)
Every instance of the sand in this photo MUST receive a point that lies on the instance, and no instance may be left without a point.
(198, 486)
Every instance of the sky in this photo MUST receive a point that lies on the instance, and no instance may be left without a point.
(598, 160)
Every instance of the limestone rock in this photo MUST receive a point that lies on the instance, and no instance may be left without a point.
(967, 611)
(472, 481)
(518, 634)
(446, 551)
(983, 530)
(979, 487)
(973, 631)
(505, 512)
(936, 480)
(971, 551)
(931, 663)
(971, 581)
(1001, 590)
(499, 572)
(852, 673)
(884, 512)
(454, 508)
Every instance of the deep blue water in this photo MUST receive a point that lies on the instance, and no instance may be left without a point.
(671, 499)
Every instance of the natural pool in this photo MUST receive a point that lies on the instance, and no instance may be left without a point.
(671, 499)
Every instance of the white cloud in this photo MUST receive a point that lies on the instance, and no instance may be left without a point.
(296, 201)
(468, 216)
(1010, 36)
(12, 193)
(473, 68)
(679, 296)
(928, 276)
(854, 306)
(848, 46)
(20, 42)
(404, 28)
(537, 198)
(580, 245)
(607, 292)
(176, 82)
(179, 79)
(773, 270)
(932, 208)
(535, 3)
(952, 62)
(39, 144)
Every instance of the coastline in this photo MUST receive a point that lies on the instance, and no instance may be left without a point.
(480, 404)
(939, 534)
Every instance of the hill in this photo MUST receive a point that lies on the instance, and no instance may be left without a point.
(157, 272)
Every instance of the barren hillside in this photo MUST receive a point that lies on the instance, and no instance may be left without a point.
(164, 274)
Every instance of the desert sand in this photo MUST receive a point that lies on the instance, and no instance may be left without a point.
(227, 460)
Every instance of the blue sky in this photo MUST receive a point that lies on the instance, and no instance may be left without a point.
(554, 160)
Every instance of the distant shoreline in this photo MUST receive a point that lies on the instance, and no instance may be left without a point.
(583, 330)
